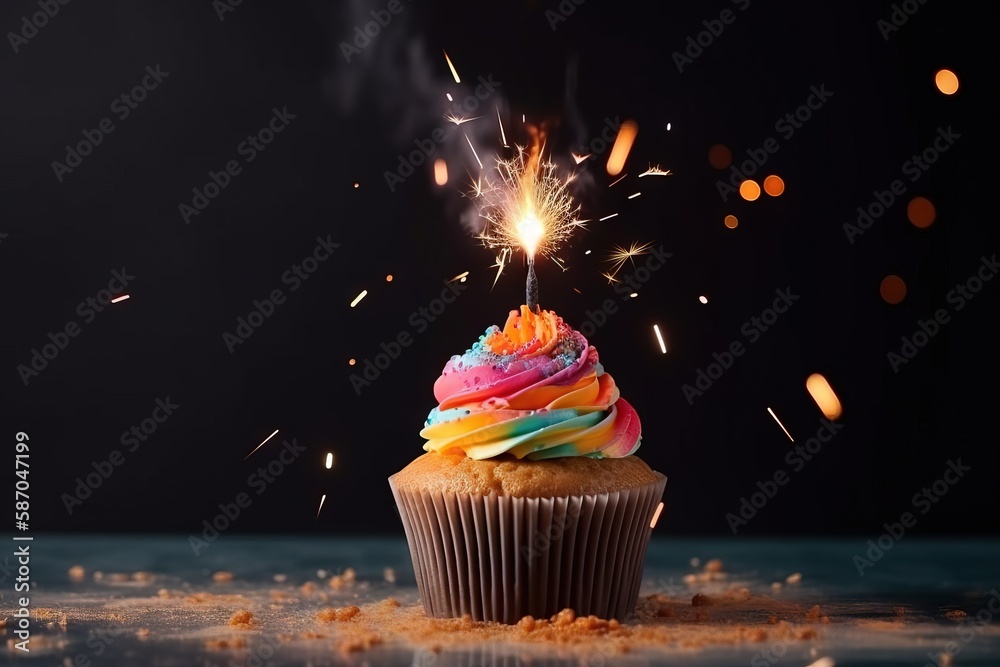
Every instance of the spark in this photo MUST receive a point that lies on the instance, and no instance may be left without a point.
(450, 98)
(261, 444)
(607, 217)
(577, 291)
(579, 158)
(587, 253)
(618, 181)
(771, 412)
(120, 298)
(703, 299)
(668, 127)
(459, 276)
(527, 205)
(635, 195)
(633, 295)
(458, 120)
(620, 255)
(656, 171)
(321, 501)
(611, 278)
(451, 67)
(659, 338)
(358, 298)
(329, 460)
(656, 515)
(821, 391)
(474, 151)
(503, 136)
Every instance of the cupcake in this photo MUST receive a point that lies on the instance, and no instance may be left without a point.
(530, 498)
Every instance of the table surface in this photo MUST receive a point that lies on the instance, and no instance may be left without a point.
(97, 620)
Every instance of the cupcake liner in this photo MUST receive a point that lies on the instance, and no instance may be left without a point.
(500, 558)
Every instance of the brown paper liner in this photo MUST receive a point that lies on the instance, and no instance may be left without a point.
(499, 558)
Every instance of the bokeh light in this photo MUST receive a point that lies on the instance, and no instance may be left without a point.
(623, 144)
(821, 391)
(719, 156)
(388, 278)
(749, 190)
(731, 221)
(703, 299)
(351, 362)
(920, 212)
(946, 81)
(773, 185)
(892, 289)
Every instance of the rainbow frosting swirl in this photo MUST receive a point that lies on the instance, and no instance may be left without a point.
(534, 390)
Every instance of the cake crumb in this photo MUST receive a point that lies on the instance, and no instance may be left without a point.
(813, 614)
(143, 633)
(242, 619)
(389, 575)
(222, 577)
(77, 573)
(330, 615)
(795, 578)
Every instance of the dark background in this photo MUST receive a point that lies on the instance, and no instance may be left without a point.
(120, 209)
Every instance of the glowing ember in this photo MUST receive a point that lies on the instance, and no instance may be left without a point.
(358, 298)
(460, 276)
(607, 217)
(120, 298)
(440, 171)
(659, 338)
(587, 253)
(388, 278)
(329, 460)
(655, 171)
(623, 144)
(321, 501)
(450, 98)
(703, 299)
(579, 158)
(619, 180)
(352, 361)
(771, 412)
(261, 444)
(823, 394)
(357, 185)
(633, 295)
(656, 515)
(451, 67)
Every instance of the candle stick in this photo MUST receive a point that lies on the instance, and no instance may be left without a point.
(531, 289)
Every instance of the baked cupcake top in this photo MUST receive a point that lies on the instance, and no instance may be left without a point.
(533, 389)
(506, 476)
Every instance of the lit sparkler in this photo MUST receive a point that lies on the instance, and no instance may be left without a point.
(527, 205)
